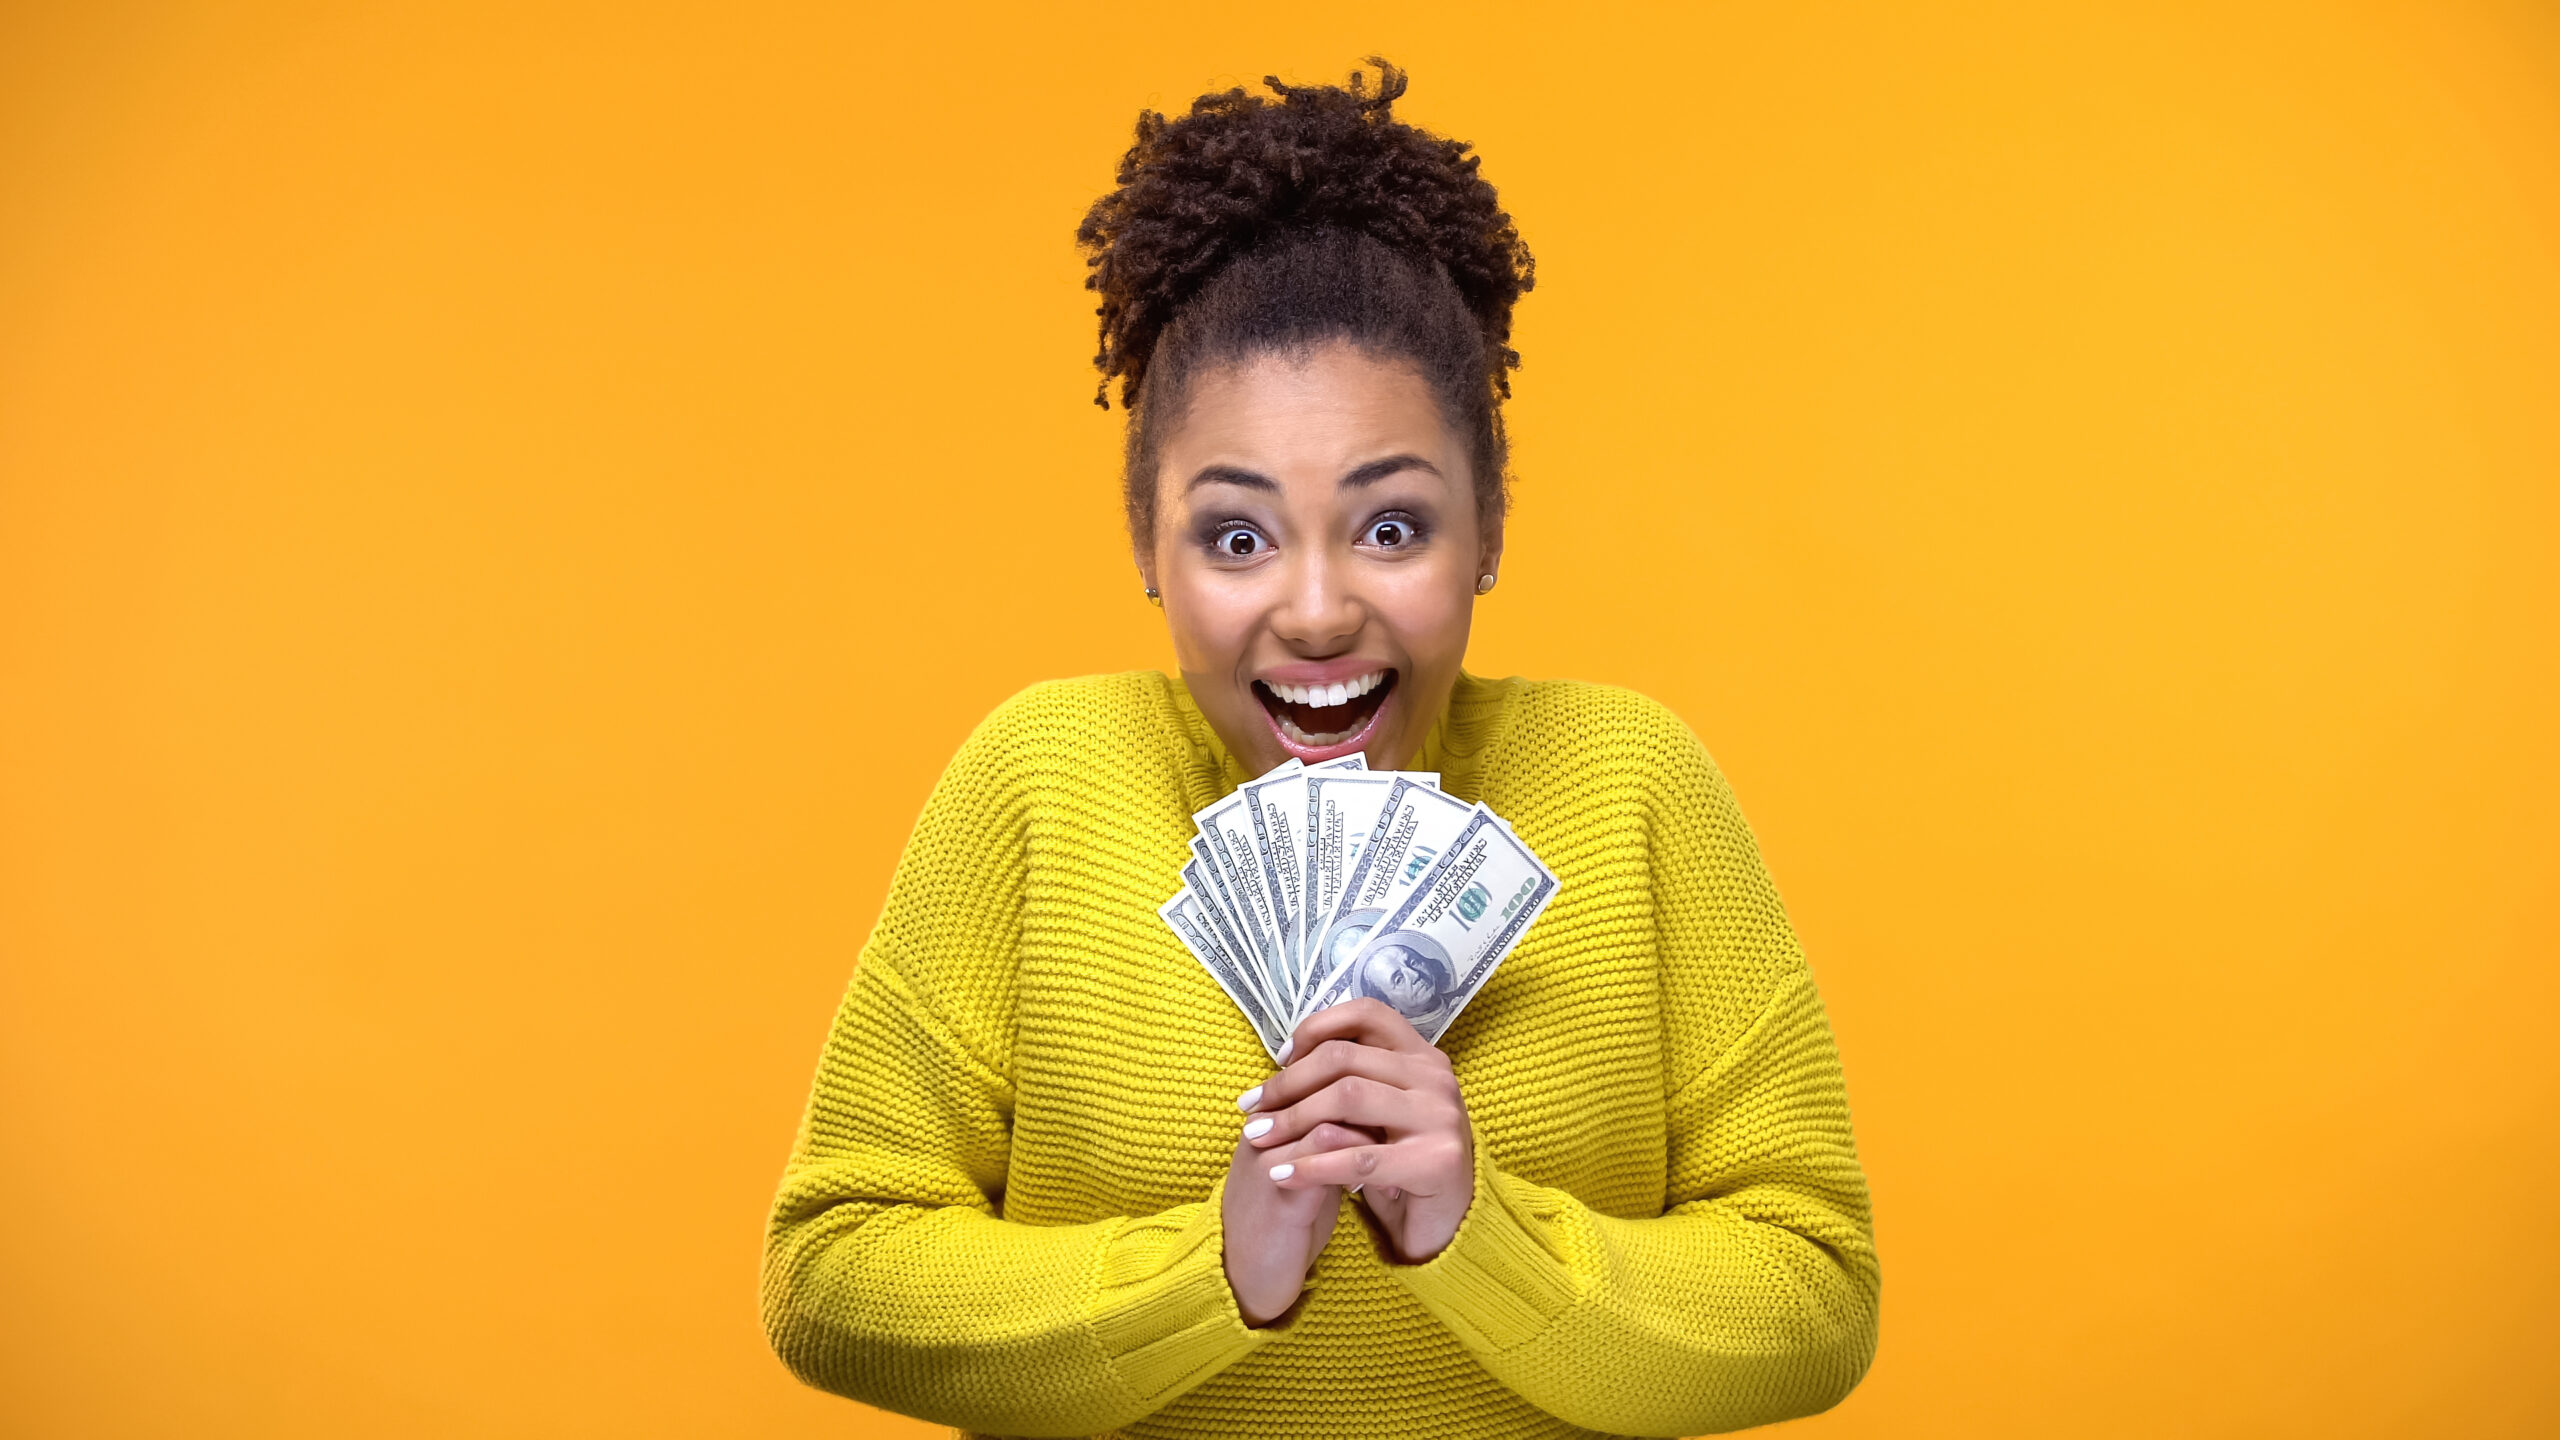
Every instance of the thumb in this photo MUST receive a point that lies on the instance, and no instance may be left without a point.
(1320, 1226)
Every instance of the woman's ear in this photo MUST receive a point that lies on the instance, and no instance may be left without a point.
(1143, 549)
(1146, 561)
(1488, 558)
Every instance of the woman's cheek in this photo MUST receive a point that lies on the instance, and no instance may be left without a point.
(1209, 637)
(1432, 616)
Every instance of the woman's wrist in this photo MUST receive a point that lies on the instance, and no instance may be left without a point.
(1255, 1304)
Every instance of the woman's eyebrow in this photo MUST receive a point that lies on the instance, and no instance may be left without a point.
(1377, 470)
(1368, 474)
(1230, 475)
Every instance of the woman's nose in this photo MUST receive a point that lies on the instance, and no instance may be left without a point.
(1319, 611)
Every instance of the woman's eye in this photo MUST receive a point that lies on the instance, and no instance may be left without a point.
(1241, 543)
(1389, 534)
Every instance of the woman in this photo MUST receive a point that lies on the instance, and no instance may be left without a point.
(1620, 1196)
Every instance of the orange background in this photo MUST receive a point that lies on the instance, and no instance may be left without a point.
(503, 516)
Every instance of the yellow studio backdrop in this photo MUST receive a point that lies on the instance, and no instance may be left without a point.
(503, 514)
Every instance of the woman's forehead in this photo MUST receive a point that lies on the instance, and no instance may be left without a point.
(1317, 412)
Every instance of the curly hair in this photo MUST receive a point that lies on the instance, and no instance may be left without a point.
(1255, 224)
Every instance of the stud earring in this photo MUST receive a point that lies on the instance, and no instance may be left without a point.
(1153, 598)
(1483, 583)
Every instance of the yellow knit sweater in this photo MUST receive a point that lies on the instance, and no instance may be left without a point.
(1002, 1211)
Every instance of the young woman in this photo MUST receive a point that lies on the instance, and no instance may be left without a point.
(1048, 1183)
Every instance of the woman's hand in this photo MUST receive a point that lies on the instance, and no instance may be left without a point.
(1361, 1065)
(1273, 1235)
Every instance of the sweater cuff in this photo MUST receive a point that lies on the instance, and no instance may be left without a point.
(1164, 1314)
(1500, 1283)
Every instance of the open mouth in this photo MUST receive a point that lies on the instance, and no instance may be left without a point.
(1320, 717)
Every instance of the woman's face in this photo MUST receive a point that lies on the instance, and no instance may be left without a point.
(1317, 549)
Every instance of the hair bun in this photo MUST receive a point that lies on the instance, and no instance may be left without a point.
(1197, 192)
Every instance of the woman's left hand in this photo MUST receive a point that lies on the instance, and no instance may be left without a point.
(1361, 1064)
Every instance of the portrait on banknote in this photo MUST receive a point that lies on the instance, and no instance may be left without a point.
(1408, 974)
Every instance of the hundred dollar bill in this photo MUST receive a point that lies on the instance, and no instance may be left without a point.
(1414, 823)
(1436, 946)
(1278, 807)
(1199, 876)
(1273, 806)
(1340, 810)
(1202, 874)
(1200, 934)
(1227, 899)
(1252, 886)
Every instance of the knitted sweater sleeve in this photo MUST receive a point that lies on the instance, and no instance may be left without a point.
(1753, 1296)
(890, 1275)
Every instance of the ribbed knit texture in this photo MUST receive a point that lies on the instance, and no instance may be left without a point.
(1002, 1210)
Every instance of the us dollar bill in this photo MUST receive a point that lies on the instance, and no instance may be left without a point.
(1414, 825)
(1220, 884)
(1277, 806)
(1434, 948)
(1199, 876)
(1277, 817)
(1340, 810)
(1201, 934)
(1251, 887)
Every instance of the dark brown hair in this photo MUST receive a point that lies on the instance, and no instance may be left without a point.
(1255, 224)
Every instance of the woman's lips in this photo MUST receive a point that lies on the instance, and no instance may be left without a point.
(1298, 713)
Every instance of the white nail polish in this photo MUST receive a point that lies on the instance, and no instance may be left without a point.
(1255, 1130)
(1283, 1172)
(1245, 1101)
(1285, 1047)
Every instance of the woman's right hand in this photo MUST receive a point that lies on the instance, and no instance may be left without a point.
(1273, 1235)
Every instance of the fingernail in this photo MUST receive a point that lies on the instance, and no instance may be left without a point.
(1255, 1130)
(1245, 1101)
(1283, 1172)
(1285, 1047)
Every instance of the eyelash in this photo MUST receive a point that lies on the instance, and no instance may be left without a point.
(1224, 535)
(1219, 538)
(1414, 533)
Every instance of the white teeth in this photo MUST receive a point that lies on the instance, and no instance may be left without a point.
(1325, 697)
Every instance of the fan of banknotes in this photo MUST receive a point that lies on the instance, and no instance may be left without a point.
(1317, 884)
